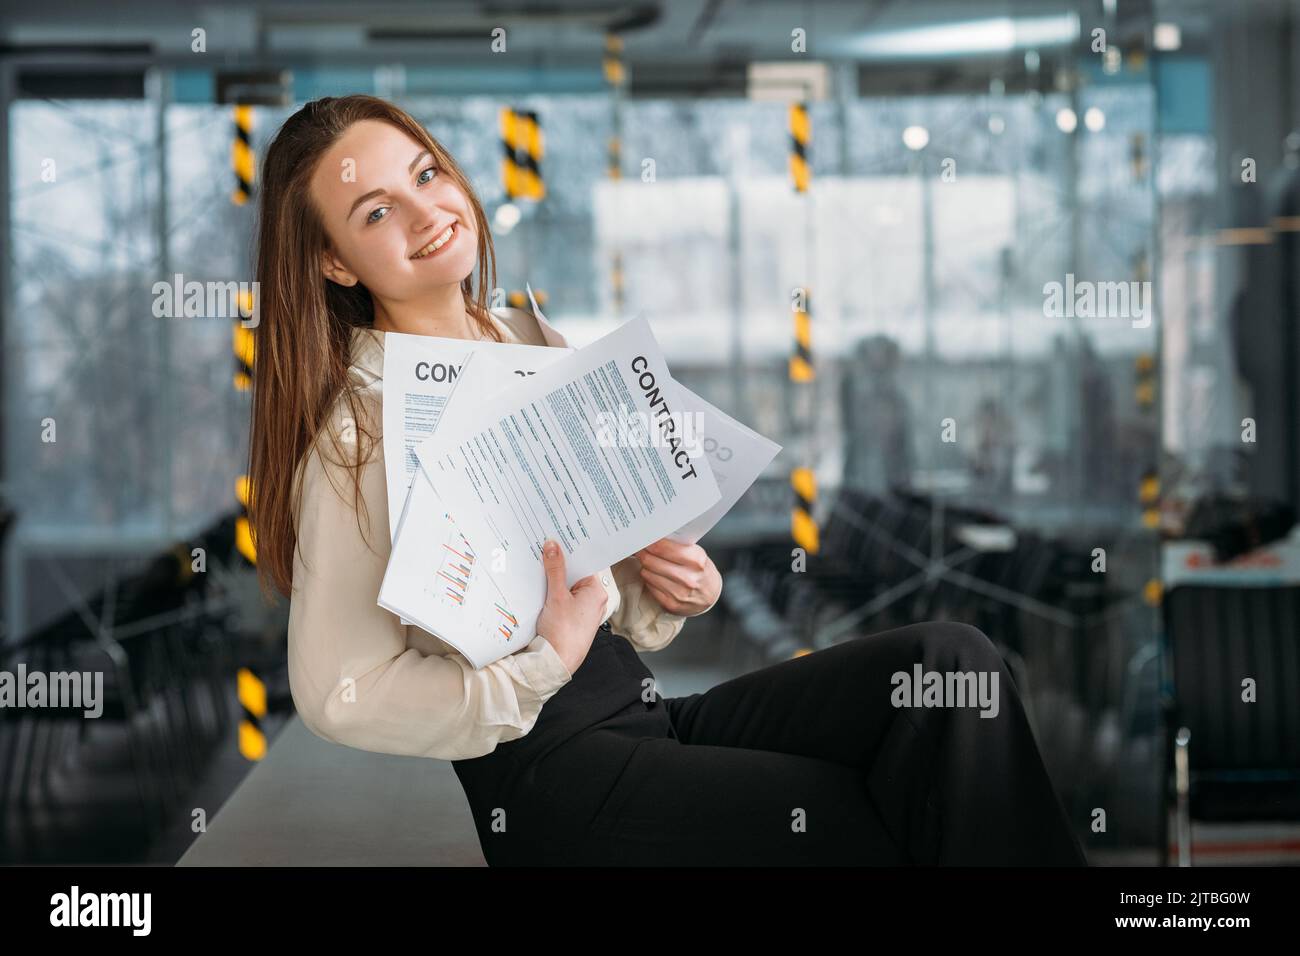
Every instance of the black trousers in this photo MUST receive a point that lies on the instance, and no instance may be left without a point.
(804, 762)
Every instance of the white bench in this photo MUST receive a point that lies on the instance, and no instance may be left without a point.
(309, 802)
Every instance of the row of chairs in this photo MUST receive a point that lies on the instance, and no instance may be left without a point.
(1056, 623)
(166, 659)
(1122, 688)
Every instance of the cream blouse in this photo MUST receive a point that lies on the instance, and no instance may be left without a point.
(361, 678)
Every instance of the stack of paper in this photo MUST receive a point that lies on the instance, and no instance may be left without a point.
(599, 449)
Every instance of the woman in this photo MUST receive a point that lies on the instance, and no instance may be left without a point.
(566, 752)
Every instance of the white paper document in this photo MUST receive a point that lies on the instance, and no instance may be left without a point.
(737, 455)
(436, 577)
(586, 451)
(419, 372)
(433, 579)
(436, 581)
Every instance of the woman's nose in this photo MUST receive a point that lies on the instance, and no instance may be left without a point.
(429, 213)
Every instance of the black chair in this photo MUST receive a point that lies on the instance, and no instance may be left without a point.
(1230, 760)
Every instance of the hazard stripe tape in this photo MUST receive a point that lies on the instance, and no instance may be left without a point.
(531, 157)
(242, 155)
(252, 703)
(522, 147)
(615, 74)
(801, 361)
(509, 143)
(800, 134)
(802, 526)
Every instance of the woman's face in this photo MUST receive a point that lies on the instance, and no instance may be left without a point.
(383, 202)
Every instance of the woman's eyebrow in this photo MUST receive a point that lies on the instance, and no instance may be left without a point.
(375, 192)
(419, 156)
(360, 199)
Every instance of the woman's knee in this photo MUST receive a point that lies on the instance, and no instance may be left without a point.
(952, 645)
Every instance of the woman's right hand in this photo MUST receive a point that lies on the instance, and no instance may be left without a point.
(569, 617)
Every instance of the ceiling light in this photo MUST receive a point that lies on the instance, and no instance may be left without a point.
(916, 137)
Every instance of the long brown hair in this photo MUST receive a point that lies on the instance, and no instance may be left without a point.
(304, 334)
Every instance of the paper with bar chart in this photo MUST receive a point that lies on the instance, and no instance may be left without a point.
(420, 372)
(437, 581)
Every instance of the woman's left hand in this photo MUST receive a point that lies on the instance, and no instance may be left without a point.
(681, 577)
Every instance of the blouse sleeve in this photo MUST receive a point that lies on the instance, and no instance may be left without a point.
(353, 678)
(640, 617)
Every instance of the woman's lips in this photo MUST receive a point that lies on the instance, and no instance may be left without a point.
(455, 233)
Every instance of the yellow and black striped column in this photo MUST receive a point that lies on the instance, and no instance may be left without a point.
(252, 706)
(510, 178)
(251, 689)
(244, 543)
(616, 77)
(802, 480)
(802, 526)
(243, 345)
(531, 160)
(1145, 387)
(245, 356)
(616, 280)
(800, 134)
(241, 155)
(522, 148)
(801, 362)
(802, 372)
(1149, 484)
(1149, 499)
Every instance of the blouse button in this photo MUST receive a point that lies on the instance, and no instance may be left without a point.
(604, 579)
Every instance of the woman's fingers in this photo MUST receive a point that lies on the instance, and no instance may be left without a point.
(675, 590)
(687, 575)
(675, 552)
(666, 600)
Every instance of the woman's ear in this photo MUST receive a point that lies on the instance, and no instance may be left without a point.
(336, 271)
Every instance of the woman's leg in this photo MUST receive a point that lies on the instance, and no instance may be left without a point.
(951, 785)
(610, 799)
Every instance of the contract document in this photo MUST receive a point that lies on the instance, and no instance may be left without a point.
(592, 451)
(435, 578)
(737, 453)
(419, 373)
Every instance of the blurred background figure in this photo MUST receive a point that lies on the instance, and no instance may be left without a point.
(877, 430)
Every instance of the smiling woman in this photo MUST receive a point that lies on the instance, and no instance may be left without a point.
(368, 226)
(565, 749)
(355, 193)
(421, 214)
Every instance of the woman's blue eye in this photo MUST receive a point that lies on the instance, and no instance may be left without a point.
(419, 179)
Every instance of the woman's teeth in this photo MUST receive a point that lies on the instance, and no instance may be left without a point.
(436, 244)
